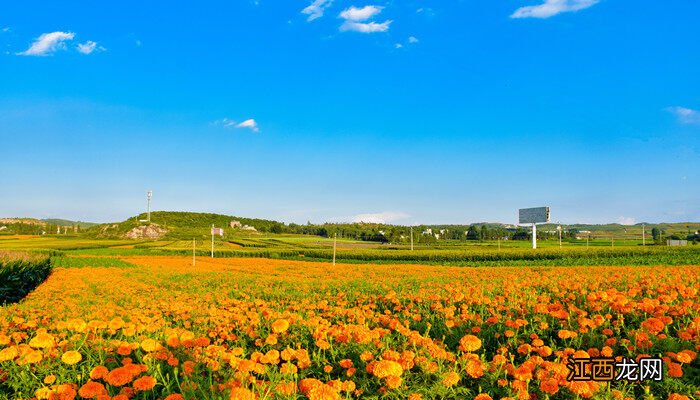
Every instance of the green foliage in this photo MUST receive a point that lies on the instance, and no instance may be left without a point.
(20, 274)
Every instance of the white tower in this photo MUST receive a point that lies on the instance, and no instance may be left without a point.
(149, 195)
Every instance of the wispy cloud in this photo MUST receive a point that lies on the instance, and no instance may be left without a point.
(355, 20)
(412, 39)
(360, 14)
(316, 9)
(89, 47)
(369, 27)
(48, 43)
(385, 217)
(229, 123)
(5, 29)
(551, 8)
(685, 115)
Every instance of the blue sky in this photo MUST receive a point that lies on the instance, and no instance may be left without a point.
(404, 112)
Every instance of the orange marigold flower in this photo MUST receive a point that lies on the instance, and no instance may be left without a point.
(482, 396)
(33, 357)
(176, 396)
(71, 357)
(475, 368)
(566, 334)
(241, 394)
(50, 379)
(415, 396)
(653, 325)
(549, 386)
(323, 392)
(676, 396)
(386, 368)
(675, 370)
(99, 372)
(469, 343)
(144, 383)
(92, 389)
(279, 326)
(450, 379)
(393, 382)
(119, 376)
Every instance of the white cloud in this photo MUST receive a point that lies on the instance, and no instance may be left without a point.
(685, 115)
(6, 29)
(360, 14)
(412, 39)
(398, 45)
(551, 8)
(626, 221)
(385, 217)
(354, 16)
(48, 43)
(368, 27)
(250, 124)
(88, 47)
(316, 9)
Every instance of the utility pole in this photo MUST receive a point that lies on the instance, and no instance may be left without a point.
(150, 193)
(559, 229)
(612, 241)
(534, 236)
(194, 245)
(587, 237)
(212, 240)
(644, 241)
(335, 242)
(499, 243)
(411, 237)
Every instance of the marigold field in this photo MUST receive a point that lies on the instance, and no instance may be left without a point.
(159, 328)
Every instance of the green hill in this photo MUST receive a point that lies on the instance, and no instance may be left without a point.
(66, 222)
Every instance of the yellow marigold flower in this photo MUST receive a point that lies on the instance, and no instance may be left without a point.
(71, 357)
(33, 357)
(149, 345)
(42, 340)
(279, 326)
(8, 354)
(49, 379)
(469, 343)
(386, 368)
(43, 393)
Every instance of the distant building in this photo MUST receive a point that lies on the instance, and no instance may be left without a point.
(235, 224)
(248, 228)
(2, 228)
(428, 231)
(672, 242)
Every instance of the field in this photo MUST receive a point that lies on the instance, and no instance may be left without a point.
(155, 327)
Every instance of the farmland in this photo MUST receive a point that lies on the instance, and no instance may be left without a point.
(270, 316)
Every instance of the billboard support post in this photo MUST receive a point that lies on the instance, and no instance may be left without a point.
(533, 216)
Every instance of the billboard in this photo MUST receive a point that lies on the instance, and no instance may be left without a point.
(533, 215)
(217, 231)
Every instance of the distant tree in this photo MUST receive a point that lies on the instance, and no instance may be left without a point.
(472, 233)
(656, 233)
(484, 233)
